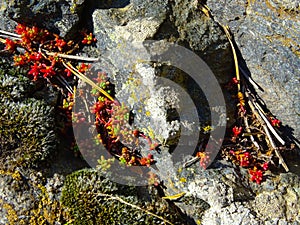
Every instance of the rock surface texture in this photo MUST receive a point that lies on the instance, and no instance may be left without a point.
(267, 35)
(139, 21)
(61, 17)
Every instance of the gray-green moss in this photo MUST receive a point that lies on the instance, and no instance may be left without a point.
(84, 194)
(27, 124)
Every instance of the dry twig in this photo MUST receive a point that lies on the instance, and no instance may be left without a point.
(133, 206)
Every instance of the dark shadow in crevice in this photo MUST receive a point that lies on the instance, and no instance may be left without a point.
(108, 4)
(189, 85)
(85, 15)
(43, 15)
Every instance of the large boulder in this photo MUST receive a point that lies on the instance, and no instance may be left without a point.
(140, 21)
(225, 195)
(267, 35)
(61, 17)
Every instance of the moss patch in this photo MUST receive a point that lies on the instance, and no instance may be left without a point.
(93, 199)
(27, 124)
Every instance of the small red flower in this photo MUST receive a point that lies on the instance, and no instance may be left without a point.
(98, 106)
(147, 161)
(256, 175)
(83, 67)
(48, 71)
(68, 72)
(235, 81)
(26, 42)
(275, 122)
(236, 131)
(232, 152)
(37, 56)
(10, 45)
(265, 166)
(32, 32)
(204, 159)
(20, 60)
(89, 39)
(244, 159)
(136, 133)
(20, 29)
(35, 70)
(60, 43)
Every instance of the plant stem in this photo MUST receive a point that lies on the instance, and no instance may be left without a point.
(234, 56)
(134, 206)
(85, 79)
(265, 127)
(82, 58)
(10, 34)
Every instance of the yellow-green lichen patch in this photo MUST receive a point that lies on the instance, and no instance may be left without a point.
(47, 211)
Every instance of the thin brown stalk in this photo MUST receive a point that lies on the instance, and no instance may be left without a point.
(134, 206)
(2, 40)
(249, 79)
(281, 161)
(10, 34)
(265, 127)
(234, 56)
(268, 124)
(62, 80)
(85, 79)
(7, 36)
(81, 58)
(249, 131)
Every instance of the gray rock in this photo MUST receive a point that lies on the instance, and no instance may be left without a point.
(6, 23)
(61, 17)
(30, 199)
(227, 197)
(151, 20)
(267, 35)
(204, 36)
(217, 196)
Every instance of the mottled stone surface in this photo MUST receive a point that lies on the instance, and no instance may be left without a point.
(227, 196)
(267, 35)
(140, 21)
(61, 17)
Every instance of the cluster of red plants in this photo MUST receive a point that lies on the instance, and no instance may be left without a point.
(114, 131)
(240, 149)
(43, 54)
(31, 47)
(247, 160)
